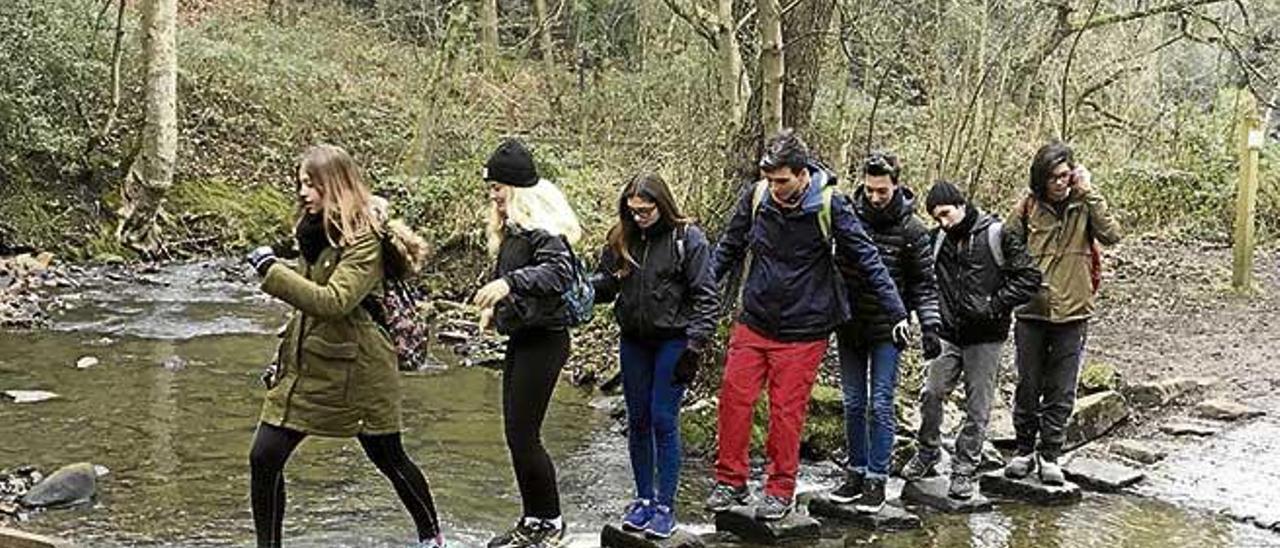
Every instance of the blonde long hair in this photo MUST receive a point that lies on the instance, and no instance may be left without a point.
(541, 206)
(345, 197)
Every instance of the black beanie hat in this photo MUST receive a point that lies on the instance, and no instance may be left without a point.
(511, 164)
(943, 193)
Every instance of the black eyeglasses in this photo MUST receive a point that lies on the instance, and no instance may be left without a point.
(643, 211)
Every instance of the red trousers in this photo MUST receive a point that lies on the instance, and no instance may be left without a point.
(790, 369)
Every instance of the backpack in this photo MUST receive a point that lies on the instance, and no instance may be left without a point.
(580, 297)
(1095, 250)
(397, 312)
(995, 231)
(824, 224)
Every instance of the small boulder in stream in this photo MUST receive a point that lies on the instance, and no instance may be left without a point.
(1137, 451)
(1226, 410)
(890, 518)
(742, 522)
(932, 492)
(70, 485)
(30, 396)
(1188, 428)
(613, 536)
(1100, 475)
(1094, 416)
(1029, 489)
(1162, 392)
(86, 362)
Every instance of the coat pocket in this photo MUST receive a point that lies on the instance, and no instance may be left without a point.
(326, 375)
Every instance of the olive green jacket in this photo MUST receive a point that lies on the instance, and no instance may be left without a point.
(1061, 244)
(338, 368)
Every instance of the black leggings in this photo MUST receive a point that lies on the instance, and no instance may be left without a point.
(529, 374)
(272, 446)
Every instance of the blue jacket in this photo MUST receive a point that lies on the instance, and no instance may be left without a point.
(793, 292)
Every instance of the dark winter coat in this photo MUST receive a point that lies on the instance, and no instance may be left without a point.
(906, 250)
(976, 295)
(793, 291)
(538, 267)
(670, 293)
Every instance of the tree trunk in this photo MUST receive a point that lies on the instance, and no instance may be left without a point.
(731, 82)
(151, 172)
(542, 26)
(772, 71)
(805, 28)
(489, 30)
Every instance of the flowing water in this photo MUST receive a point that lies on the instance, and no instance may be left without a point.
(171, 407)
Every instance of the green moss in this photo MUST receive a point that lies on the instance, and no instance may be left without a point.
(1097, 377)
(231, 216)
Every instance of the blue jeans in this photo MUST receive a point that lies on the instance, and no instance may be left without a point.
(869, 450)
(653, 415)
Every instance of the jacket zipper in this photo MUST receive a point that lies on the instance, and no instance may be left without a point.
(297, 357)
(644, 286)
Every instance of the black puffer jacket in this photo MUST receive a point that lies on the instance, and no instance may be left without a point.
(538, 268)
(906, 251)
(670, 293)
(977, 296)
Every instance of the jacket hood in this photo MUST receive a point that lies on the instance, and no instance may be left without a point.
(819, 177)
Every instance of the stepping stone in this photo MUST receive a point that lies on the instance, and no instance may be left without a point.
(932, 492)
(1094, 416)
(613, 536)
(30, 396)
(742, 522)
(1162, 392)
(891, 518)
(1188, 428)
(70, 485)
(1138, 451)
(1226, 410)
(1029, 489)
(1100, 475)
(13, 538)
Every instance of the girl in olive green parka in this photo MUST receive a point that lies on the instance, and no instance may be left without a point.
(337, 370)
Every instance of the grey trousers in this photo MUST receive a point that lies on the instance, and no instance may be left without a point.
(1048, 361)
(976, 365)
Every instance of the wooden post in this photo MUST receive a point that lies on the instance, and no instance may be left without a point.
(1250, 139)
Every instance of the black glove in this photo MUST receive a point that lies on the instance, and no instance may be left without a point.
(930, 344)
(687, 367)
(261, 259)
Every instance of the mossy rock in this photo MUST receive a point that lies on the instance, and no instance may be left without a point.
(1098, 377)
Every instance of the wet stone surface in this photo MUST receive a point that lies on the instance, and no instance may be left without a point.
(612, 536)
(932, 492)
(741, 521)
(1100, 475)
(1029, 489)
(890, 518)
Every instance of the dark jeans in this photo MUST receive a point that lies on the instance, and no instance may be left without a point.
(976, 365)
(529, 374)
(1048, 360)
(860, 362)
(653, 415)
(272, 446)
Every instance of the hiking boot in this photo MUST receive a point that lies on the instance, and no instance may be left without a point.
(849, 490)
(663, 523)
(961, 486)
(872, 499)
(435, 542)
(726, 496)
(542, 533)
(638, 515)
(920, 466)
(1050, 472)
(1020, 466)
(774, 508)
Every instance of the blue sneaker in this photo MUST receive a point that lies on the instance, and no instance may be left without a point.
(638, 515)
(662, 524)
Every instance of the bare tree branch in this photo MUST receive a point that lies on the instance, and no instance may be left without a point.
(703, 22)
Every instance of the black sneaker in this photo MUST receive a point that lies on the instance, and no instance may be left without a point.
(726, 496)
(849, 490)
(774, 508)
(871, 501)
(920, 466)
(541, 533)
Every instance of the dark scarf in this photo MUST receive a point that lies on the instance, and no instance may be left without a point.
(311, 236)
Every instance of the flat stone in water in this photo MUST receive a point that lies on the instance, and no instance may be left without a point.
(1029, 489)
(1100, 475)
(1138, 451)
(1226, 410)
(1188, 428)
(932, 492)
(742, 522)
(13, 538)
(30, 396)
(613, 536)
(891, 518)
(71, 484)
